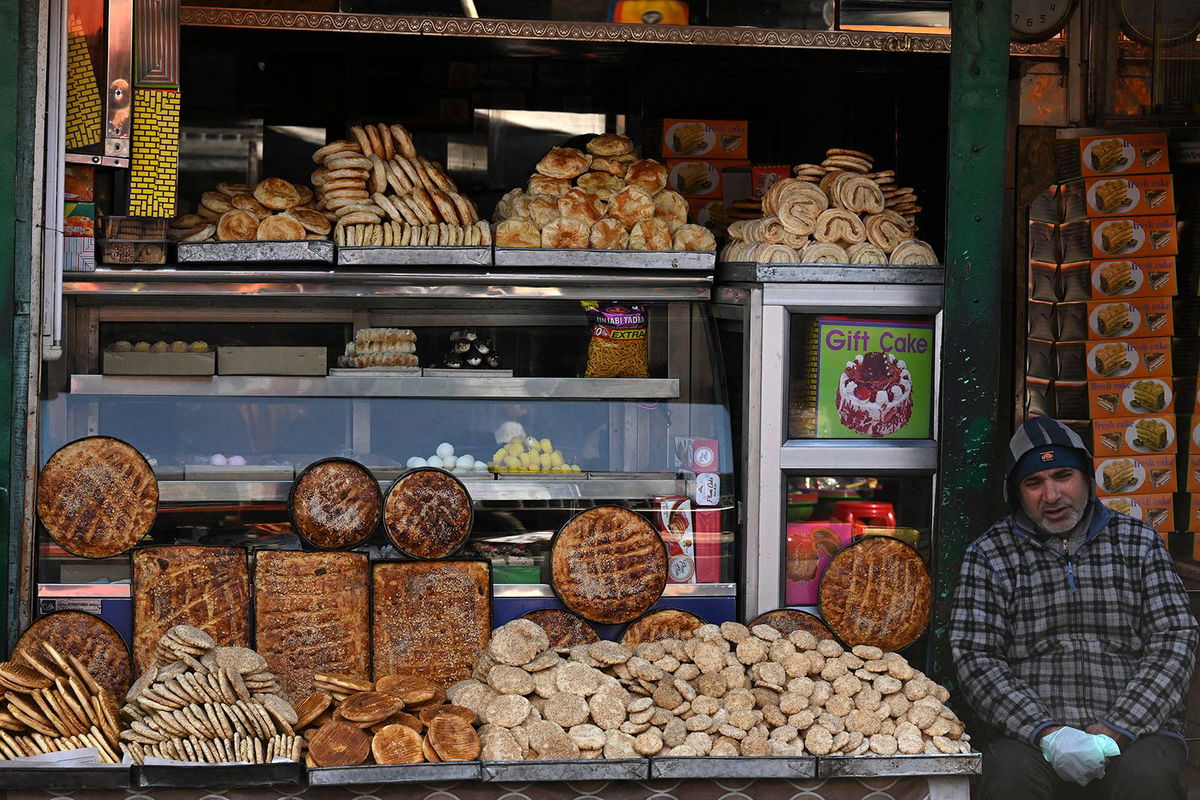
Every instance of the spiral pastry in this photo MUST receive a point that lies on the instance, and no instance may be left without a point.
(737, 229)
(887, 230)
(824, 253)
(914, 253)
(796, 240)
(799, 204)
(859, 194)
(775, 254)
(768, 230)
(867, 253)
(839, 225)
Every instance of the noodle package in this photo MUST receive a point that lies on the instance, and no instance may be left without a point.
(617, 348)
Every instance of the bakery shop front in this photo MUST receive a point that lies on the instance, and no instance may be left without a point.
(487, 398)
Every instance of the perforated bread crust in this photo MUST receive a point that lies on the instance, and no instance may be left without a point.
(427, 514)
(430, 618)
(311, 615)
(97, 497)
(876, 592)
(669, 623)
(206, 587)
(786, 620)
(336, 504)
(564, 628)
(608, 565)
(90, 639)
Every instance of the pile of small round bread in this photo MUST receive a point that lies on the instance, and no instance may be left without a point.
(274, 210)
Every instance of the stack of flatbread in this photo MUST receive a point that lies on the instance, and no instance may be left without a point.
(273, 210)
(604, 199)
(835, 212)
(382, 194)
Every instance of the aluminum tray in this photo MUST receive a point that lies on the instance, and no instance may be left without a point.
(114, 776)
(466, 372)
(218, 776)
(414, 256)
(356, 372)
(898, 765)
(733, 767)
(307, 252)
(588, 769)
(605, 259)
(753, 272)
(394, 773)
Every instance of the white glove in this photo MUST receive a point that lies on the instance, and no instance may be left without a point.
(1078, 756)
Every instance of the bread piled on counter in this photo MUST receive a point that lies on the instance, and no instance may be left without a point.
(273, 210)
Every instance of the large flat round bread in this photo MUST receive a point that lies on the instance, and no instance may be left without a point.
(427, 513)
(786, 620)
(97, 497)
(608, 565)
(565, 629)
(666, 623)
(876, 592)
(91, 640)
(335, 504)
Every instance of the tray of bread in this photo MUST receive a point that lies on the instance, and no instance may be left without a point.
(259, 253)
(414, 256)
(605, 259)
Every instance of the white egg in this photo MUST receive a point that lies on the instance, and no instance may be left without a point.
(445, 450)
(433, 461)
(415, 461)
(218, 460)
(465, 462)
(481, 466)
(236, 461)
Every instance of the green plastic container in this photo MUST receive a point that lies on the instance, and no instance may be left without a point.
(800, 506)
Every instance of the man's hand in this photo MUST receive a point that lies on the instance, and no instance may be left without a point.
(1099, 727)
(1046, 732)
(1077, 756)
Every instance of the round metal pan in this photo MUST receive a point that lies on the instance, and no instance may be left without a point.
(335, 504)
(428, 513)
(876, 591)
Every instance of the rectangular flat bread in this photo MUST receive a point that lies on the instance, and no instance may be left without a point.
(206, 587)
(311, 615)
(431, 618)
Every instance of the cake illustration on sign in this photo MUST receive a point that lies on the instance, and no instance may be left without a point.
(874, 396)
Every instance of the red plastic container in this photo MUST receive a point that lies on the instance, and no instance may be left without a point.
(865, 513)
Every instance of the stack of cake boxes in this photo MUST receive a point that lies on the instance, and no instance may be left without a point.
(1102, 282)
(698, 153)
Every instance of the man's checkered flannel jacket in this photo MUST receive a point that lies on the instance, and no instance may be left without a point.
(1105, 636)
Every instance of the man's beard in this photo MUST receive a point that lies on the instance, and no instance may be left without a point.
(1066, 526)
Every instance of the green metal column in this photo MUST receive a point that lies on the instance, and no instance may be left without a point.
(969, 492)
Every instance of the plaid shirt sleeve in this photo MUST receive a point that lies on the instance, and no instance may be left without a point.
(979, 637)
(1157, 688)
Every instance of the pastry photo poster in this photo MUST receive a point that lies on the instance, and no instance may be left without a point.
(875, 378)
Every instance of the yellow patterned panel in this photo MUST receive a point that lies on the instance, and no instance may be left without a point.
(155, 154)
(83, 98)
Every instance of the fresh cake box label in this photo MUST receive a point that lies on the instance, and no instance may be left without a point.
(1108, 319)
(875, 378)
(1133, 236)
(1137, 194)
(1134, 397)
(1131, 277)
(697, 177)
(1127, 154)
(1129, 358)
(1156, 510)
(1135, 475)
(1134, 436)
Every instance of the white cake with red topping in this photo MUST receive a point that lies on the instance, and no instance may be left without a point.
(875, 394)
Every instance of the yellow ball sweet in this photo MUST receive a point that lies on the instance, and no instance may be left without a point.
(547, 446)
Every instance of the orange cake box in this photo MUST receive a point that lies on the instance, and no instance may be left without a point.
(1135, 475)
(1129, 358)
(1193, 473)
(1193, 520)
(1156, 510)
(1135, 195)
(1131, 277)
(1144, 237)
(698, 177)
(1114, 154)
(1192, 445)
(705, 138)
(1135, 436)
(1131, 397)
(1151, 316)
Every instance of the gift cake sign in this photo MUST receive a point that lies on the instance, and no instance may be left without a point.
(875, 378)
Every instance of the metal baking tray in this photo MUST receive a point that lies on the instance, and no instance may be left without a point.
(413, 256)
(446, 372)
(306, 252)
(352, 372)
(218, 776)
(394, 773)
(605, 259)
(898, 765)
(582, 769)
(733, 767)
(753, 272)
(224, 472)
(113, 776)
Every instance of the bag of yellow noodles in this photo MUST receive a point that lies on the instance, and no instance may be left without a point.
(617, 348)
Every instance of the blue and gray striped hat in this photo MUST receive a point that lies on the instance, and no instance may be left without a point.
(1044, 443)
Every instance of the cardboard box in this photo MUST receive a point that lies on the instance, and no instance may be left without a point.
(1133, 277)
(1073, 242)
(763, 178)
(1074, 281)
(1193, 473)
(1115, 154)
(1145, 237)
(710, 138)
(271, 361)
(1074, 204)
(1152, 316)
(79, 219)
(1135, 475)
(1043, 242)
(1137, 195)
(1193, 520)
(1045, 207)
(1070, 399)
(1132, 436)
(1130, 397)
(79, 183)
(698, 177)
(1040, 320)
(1044, 282)
(79, 254)
(1156, 510)
(709, 213)
(810, 547)
(1129, 358)
(159, 363)
(692, 537)
(1039, 359)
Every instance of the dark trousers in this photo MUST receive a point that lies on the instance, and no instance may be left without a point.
(1151, 767)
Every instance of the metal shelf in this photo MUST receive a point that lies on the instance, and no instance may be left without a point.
(379, 386)
(753, 272)
(672, 590)
(843, 456)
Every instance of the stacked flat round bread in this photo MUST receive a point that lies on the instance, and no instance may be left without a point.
(604, 199)
(383, 194)
(835, 212)
(273, 210)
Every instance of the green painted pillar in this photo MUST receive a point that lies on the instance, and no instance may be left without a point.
(970, 497)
